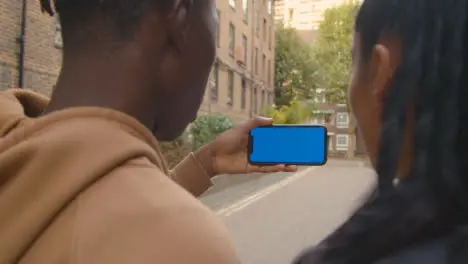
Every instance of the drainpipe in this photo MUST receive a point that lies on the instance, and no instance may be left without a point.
(21, 41)
(252, 65)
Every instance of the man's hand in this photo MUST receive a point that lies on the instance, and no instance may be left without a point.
(227, 153)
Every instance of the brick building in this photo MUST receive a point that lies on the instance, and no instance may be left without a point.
(242, 79)
(42, 47)
(241, 83)
(337, 120)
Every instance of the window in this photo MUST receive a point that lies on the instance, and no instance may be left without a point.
(243, 95)
(269, 39)
(230, 100)
(342, 120)
(256, 60)
(244, 47)
(214, 83)
(257, 24)
(262, 100)
(269, 7)
(342, 142)
(245, 10)
(232, 3)
(263, 66)
(291, 14)
(269, 74)
(58, 33)
(255, 99)
(264, 30)
(219, 28)
(232, 39)
(330, 143)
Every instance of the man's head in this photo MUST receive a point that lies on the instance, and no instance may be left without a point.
(162, 50)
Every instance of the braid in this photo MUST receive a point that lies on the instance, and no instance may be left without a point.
(430, 77)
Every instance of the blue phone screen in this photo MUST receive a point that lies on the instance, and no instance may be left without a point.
(289, 144)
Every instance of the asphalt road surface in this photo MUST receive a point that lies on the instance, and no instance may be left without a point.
(275, 223)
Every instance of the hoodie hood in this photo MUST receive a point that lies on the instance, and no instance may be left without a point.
(46, 162)
(16, 105)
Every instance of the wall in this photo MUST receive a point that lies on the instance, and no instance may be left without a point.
(42, 57)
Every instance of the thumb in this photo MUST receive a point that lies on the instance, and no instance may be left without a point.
(256, 122)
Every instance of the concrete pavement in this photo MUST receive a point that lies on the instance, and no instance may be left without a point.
(291, 212)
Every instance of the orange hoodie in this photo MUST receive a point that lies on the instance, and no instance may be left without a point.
(89, 186)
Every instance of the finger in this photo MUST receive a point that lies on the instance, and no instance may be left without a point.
(256, 122)
(270, 169)
(290, 168)
(287, 168)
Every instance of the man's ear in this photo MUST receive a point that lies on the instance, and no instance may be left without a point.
(381, 72)
(178, 23)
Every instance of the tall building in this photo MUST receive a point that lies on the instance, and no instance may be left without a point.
(303, 15)
(242, 79)
(241, 83)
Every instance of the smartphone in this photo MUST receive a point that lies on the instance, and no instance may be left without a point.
(288, 144)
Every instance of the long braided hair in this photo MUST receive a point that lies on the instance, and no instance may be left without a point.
(432, 79)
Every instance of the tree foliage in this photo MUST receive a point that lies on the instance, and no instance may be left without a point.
(332, 50)
(206, 127)
(295, 113)
(294, 67)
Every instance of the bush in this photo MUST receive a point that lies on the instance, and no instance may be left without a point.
(206, 127)
(175, 151)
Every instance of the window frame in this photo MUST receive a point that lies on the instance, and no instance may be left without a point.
(338, 145)
(245, 11)
(342, 124)
(232, 40)
(230, 94)
(214, 83)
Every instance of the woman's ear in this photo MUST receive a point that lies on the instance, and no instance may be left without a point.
(382, 72)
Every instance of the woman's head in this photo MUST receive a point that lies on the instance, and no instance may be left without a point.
(407, 78)
(409, 94)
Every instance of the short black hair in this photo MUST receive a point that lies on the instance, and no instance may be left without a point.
(432, 78)
(123, 15)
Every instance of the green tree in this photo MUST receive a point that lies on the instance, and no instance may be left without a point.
(206, 127)
(295, 113)
(332, 51)
(294, 67)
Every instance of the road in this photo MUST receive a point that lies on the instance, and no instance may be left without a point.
(274, 223)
